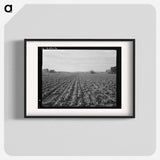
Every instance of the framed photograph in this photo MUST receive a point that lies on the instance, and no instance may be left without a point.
(80, 78)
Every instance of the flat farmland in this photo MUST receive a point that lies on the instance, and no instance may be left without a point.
(80, 89)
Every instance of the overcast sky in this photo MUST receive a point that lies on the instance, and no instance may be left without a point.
(79, 60)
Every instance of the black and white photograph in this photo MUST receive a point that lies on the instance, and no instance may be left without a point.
(84, 77)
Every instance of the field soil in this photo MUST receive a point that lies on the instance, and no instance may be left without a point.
(81, 89)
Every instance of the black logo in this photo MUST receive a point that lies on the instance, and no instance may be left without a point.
(8, 8)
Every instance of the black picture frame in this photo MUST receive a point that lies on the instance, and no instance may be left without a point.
(119, 80)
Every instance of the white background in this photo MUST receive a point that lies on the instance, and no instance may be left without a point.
(17, 5)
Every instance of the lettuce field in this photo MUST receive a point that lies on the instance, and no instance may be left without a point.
(78, 89)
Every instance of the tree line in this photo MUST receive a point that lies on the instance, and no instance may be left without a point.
(112, 70)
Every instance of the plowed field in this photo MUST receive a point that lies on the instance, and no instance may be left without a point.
(78, 90)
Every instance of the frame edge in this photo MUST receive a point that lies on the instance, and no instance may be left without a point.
(25, 85)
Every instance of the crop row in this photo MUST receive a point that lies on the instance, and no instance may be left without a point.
(78, 90)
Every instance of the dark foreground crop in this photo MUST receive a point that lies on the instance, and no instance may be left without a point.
(81, 89)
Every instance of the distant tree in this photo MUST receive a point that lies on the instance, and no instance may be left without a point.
(107, 70)
(52, 71)
(92, 72)
(46, 70)
(113, 69)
